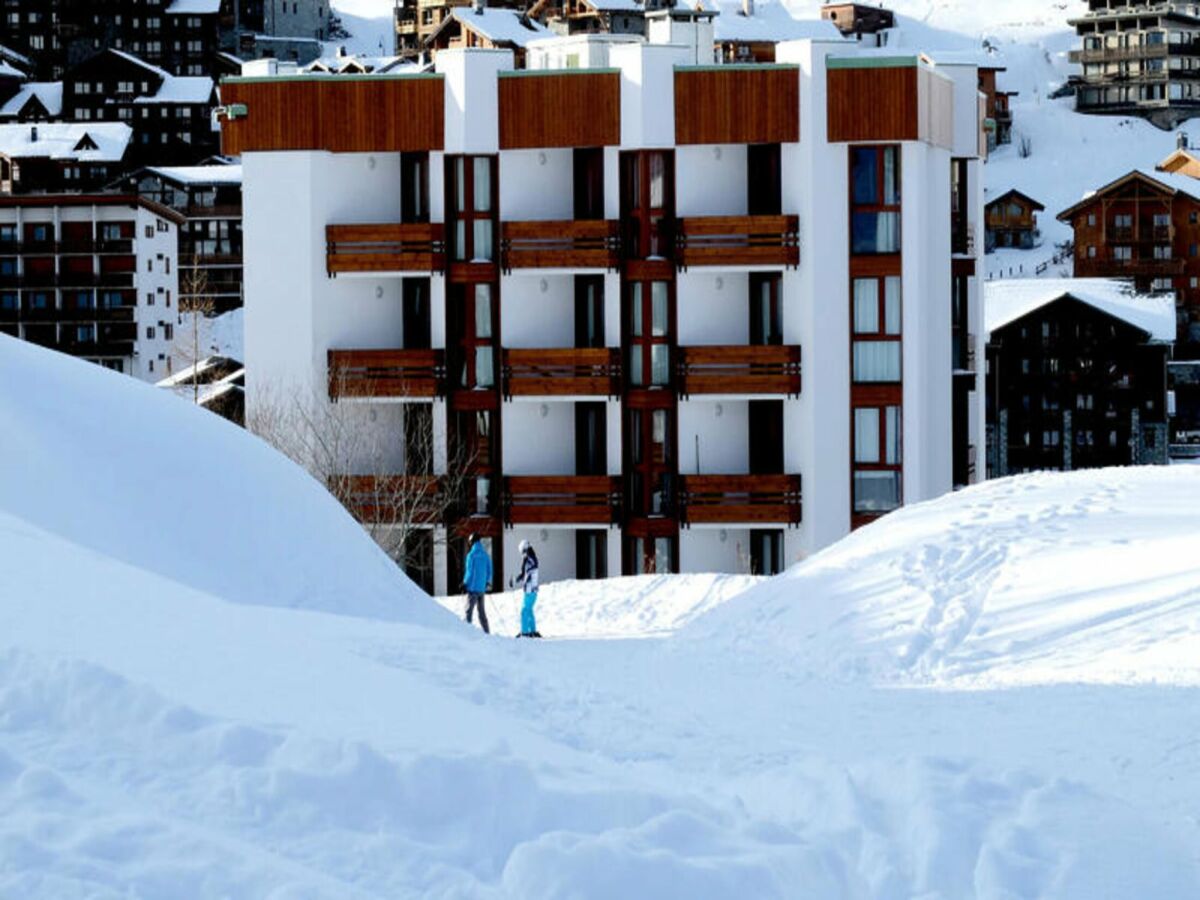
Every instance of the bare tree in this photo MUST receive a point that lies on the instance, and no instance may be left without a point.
(197, 304)
(381, 462)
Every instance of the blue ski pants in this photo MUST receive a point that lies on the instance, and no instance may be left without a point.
(528, 625)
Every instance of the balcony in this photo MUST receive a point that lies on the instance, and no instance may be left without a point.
(567, 244)
(591, 372)
(740, 499)
(738, 241)
(417, 247)
(745, 369)
(562, 500)
(389, 498)
(1135, 267)
(386, 374)
(1119, 54)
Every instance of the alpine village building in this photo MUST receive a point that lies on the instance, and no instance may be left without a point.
(1140, 57)
(606, 293)
(1076, 375)
(1011, 221)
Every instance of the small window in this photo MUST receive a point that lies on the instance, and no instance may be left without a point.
(149, 231)
(149, 265)
(149, 332)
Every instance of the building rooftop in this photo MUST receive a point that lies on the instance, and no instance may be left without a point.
(182, 89)
(1005, 301)
(771, 22)
(501, 26)
(48, 93)
(199, 175)
(1168, 181)
(83, 141)
(193, 7)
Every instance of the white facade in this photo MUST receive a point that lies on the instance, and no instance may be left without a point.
(296, 313)
(103, 284)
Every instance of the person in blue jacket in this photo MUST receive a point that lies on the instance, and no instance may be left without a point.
(529, 584)
(477, 579)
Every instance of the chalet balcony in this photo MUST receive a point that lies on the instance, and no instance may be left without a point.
(740, 499)
(740, 369)
(417, 247)
(1159, 268)
(386, 374)
(389, 498)
(583, 372)
(738, 241)
(562, 500)
(567, 244)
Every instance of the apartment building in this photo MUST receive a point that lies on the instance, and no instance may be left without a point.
(93, 275)
(666, 317)
(209, 198)
(1140, 57)
(1077, 375)
(55, 157)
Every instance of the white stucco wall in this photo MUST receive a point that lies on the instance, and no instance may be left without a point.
(718, 432)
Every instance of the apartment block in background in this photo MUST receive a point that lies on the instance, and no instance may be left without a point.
(93, 275)
(611, 296)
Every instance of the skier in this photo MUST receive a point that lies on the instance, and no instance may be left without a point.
(477, 579)
(529, 583)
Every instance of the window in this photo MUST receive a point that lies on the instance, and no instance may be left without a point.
(589, 311)
(766, 552)
(877, 311)
(877, 459)
(1091, 251)
(875, 200)
(149, 332)
(591, 554)
(1091, 220)
(1123, 253)
(417, 318)
(766, 312)
(650, 556)
(764, 181)
(473, 312)
(168, 332)
(649, 442)
(471, 182)
(414, 189)
(648, 202)
(588, 177)
(649, 328)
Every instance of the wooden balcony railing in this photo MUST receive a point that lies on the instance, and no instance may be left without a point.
(399, 374)
(389, 498)
(736, 499)
(744, 369)
(1151, 267)
(592, 372)
(738, 241)
(562, 500)
(568, 244)
(418, 247)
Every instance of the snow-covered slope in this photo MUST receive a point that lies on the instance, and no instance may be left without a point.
(1086, 577)
(127, 472)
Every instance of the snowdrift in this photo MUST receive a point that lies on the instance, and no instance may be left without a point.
(1089, 576)
(128, 472)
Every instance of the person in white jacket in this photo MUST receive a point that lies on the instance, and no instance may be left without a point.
(529, 584)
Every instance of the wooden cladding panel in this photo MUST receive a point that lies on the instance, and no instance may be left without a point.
(873, 104)
(736, 105)
(575, 109)
(341, 115)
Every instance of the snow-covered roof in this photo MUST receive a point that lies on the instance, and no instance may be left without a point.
(501, 26)
(137, 61)
(199, 174)
(19, 58)
(772, 22)
(8, 71)
(193, 7)
(1171, 181)
(980, 58)
(615, 5)
(342, 63)
(1005, 301)
(182, 89)
(48, 93)
(60, 140)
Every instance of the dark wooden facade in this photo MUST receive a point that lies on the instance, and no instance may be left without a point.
(1011, 221)
(559, 109)
(873, 103)
(1071, 387)
(734, 104)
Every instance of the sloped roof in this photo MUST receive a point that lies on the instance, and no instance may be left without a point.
(48, 93)
(500, 26)
(137, 61)
(772, 22)
(1015, 193)
(1005, 301)
(1176, 160)
(227, 175)
(1166, 182)
(193, 7)
(181, 89)
(59, 140)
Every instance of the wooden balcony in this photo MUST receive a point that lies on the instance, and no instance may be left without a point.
(418, 247)
(386, 374)
(567, 244)
(741, 369)
(1156, 268)
(561, 500)
(591, 372)
(738, 241)
(740, 499)
(389, 498)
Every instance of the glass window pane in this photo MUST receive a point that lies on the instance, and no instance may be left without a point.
(893, 436)
(887, 233)
(460, 183)
(866, 306)
(635, 436)
(658, 296)
(660, 371)
(657, 180)
(662, 555)
(483, 311)
(891, 303)
(483, 183)
(866, 435)
(865, 174)
(484, 370)
(658, 433)
(483, 239)
(636, 375)
(635, 310)
(891, 176)
(876, 492)
(460, 240)
(876, 361)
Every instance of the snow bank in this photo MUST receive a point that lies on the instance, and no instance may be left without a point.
(106, 463)
(631, 607)
(1086, 577)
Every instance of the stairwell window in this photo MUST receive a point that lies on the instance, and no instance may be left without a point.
(876, 315)
(875, 200)
(877, 459)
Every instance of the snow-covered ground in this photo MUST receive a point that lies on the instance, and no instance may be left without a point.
(993, 695)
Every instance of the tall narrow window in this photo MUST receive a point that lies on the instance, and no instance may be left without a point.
(591, 554)
(589, 182)
(764, 181)
(877, 329)
(766, 308)
(472, 322)
(472, 217)
(877, 459)
(414, 187)
(959, 242)
(766, 552)
(418, 438)
(591, 439)
(589, 311)
(648, 203)
(418, 324)
(649, 330)
(875, 200)
(766, 437)
(649, 451)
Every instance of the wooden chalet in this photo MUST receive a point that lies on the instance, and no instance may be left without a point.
(1011, 221)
